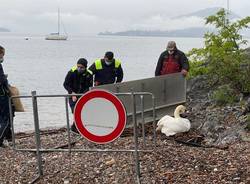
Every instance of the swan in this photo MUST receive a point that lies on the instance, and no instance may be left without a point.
(170, 126)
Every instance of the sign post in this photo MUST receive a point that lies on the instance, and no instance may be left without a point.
(100, 116)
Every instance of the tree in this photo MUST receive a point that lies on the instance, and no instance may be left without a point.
(222, 56)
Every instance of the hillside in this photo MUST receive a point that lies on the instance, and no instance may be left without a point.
(4, 29)
(189, 32)
(207, 12)
(197, 31)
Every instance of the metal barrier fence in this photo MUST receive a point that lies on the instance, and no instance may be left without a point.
(131, 97)
(168, 90)
(145, 101)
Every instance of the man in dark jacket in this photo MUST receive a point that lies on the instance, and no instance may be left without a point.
(78, 81)
(5, 128)
(107, 70)
(172, 61)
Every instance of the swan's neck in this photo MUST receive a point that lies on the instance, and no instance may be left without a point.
(177, 113)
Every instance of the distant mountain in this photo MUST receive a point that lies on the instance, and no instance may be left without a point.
(207, 12)
(4, 29)
(189, 32)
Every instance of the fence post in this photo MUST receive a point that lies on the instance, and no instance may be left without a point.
(137, 167)
(11, 123)
(154, 119)
(37, 133)
(67, 120)
(143, 119)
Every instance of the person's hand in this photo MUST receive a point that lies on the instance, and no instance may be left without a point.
(184, 72)
(97, 83)
(74, 98)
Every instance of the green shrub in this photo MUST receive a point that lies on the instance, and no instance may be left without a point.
(224, 95)
(197, 68)
(248, 123)
(221, 57)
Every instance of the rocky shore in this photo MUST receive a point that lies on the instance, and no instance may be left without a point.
(220, 153)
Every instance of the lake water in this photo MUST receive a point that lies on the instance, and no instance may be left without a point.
(40, 65)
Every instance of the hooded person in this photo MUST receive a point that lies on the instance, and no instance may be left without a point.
(78, 81)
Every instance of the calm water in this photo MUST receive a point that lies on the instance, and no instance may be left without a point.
(41, 65)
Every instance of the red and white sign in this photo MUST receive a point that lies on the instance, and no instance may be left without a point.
(100, 116)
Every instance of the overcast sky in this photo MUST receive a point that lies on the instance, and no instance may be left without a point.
(93, 16)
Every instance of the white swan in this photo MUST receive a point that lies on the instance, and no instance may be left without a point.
(170, 126)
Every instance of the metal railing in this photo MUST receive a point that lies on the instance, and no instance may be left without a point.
(39, 150)
(145, 101)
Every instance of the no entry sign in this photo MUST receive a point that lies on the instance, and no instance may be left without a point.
(100, 116)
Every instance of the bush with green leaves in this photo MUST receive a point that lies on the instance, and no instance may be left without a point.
(224, 95)
(222, 56)
(248, 123)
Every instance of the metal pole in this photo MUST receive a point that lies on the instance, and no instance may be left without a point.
(58, 23)
(86, 150)
(143, 120)
(154, 119)
(37, 133)
(67, 119)
(227, 13)
(136, 154)
(11, 123)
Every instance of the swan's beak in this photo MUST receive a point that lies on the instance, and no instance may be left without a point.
(185, 114)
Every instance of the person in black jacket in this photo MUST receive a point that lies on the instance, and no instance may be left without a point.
(78, 81)
(5, 128)
(107, 70)
(172, 61)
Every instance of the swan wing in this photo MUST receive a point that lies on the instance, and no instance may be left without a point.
(165, 119)
(167, 131)
(179, 125)
(186, 123)
(162, 121)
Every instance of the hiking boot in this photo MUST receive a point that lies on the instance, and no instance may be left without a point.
(74, 129)
(2, 145)
(9, 138)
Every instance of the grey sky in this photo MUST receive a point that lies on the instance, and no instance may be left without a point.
(93, 16)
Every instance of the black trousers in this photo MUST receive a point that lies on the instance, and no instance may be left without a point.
(5, 128)
(72, 104)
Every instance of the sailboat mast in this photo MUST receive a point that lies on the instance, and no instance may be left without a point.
(58, 24)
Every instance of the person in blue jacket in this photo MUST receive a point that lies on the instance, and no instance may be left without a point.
(78, 81)
(107, 70)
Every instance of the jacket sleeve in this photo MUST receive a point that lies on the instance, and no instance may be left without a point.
(67, 82)
(159, 64)
(92, 68)
(184, 62)
(90, 81)
(119, 74)
(3, 79)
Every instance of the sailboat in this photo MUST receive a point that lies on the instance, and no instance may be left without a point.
(58, 35)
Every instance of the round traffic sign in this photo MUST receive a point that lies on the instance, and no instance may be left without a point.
(100, 116)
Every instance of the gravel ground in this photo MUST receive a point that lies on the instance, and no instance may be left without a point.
(168, 162)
